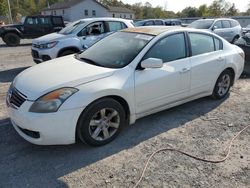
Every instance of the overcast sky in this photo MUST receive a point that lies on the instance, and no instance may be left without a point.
(178, 5)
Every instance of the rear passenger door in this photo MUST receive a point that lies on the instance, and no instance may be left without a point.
(227, 30)
(207, 61)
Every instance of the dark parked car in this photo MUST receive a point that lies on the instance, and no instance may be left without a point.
(244, 43)
(172, 22)
(150, 22)
(30, 27)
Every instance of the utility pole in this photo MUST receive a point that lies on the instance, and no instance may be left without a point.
(10, 11)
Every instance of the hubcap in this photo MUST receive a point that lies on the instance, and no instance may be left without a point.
(104, 124)
(224, 85)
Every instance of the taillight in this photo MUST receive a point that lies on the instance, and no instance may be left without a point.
(242, 54)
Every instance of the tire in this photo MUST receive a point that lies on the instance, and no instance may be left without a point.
(66, 52)
(101, 122)
(235, 39)
(223, 85)
(11, 39)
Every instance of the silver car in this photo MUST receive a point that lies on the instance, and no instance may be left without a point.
(227, 28)
(75, 37)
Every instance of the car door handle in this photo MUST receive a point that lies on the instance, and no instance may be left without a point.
(184, 70)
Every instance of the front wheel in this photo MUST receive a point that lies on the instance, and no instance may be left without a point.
(223, 85)
(101, 122)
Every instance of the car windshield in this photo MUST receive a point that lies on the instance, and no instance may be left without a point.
(201, 24)
(116, 50)
(71, 28)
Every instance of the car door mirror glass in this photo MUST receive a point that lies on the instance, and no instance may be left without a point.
(152, 63)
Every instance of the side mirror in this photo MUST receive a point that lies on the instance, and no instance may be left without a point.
(152, 63)
(214, 27)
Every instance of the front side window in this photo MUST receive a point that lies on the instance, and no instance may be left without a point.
(32, 21)
(201, 24)
(168, 49)
(95, 28)
(57, 20)
(218, 25)
(158, 22)
(115, 26)
(115, 51)
(45, 20)
(226, 24)
(201, 43)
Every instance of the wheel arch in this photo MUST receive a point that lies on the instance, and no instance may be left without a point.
(233, 74)
(73, 48)
(117, 98)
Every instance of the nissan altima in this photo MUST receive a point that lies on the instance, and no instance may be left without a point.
(129, 74)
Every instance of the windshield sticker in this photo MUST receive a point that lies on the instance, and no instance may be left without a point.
(143, 37)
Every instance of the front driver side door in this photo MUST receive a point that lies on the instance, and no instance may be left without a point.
(158, 87)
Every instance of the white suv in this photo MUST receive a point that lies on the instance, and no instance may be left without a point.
(75, 37)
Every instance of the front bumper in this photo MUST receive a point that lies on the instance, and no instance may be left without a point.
(45, 128)
(41, 55)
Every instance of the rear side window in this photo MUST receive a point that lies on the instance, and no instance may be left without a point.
(234, 23)
(168, 49)
(201, 43)
(226, 24)
(116, 26)
(158, 22)
(149, 23)
(57, 20)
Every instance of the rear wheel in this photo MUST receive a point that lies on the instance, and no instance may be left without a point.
(11, 39)
(223, 85)
(101, 122)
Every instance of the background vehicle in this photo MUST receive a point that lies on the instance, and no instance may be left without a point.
(244, 43)
(227, 28)
(75, 37)
(31, 27)
(246, 30)
(94, 94)
(149, 22)
(172, 22)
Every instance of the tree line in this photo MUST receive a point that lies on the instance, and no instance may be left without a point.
(217, 8)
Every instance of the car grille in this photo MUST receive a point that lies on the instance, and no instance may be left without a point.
(35, 54)
(15, 98)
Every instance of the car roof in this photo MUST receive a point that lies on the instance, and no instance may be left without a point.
(103, 18)
(152, 30)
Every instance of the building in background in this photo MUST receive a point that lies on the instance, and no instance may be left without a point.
(72, 10)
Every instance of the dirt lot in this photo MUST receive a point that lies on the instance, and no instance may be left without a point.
(203, 127)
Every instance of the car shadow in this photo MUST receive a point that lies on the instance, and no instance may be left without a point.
(9, 75)
(6, 46)
(45, 165)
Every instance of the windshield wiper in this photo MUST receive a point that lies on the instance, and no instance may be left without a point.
(89, 61)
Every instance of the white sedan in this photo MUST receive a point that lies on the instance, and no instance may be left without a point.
(128, 75)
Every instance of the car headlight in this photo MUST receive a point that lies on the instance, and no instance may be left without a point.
(48, 45)
(52, 101)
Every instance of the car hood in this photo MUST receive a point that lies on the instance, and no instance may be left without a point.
(48, 38)
(61, 72)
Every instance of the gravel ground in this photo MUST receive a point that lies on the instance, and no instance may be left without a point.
(202, 127)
